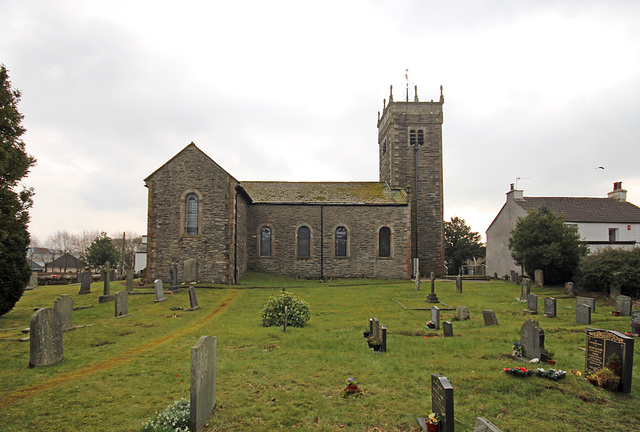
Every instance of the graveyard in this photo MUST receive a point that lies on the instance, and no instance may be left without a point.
(122, 364)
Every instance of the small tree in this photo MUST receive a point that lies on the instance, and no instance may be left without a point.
(460, 244)
(14, 205)
(297, 311)
(611, 268)
(541, 241)
(101, 251)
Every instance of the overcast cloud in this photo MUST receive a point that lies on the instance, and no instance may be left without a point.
(543, 91)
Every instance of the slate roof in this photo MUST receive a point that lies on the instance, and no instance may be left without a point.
(603, 210)
(362, 193)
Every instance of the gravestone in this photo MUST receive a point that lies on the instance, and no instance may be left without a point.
(415, 269)
(435, 316)
(615, 292)
(376, 336)
(489, 317)
(462, 313)
(432, 297)
(203, 382)
(157, 284)
(33, 281)
(539, 278)
(417, 281)
(459, 284)
(122, 304)
(601, 345)
(113, 275)
(569, 289)
(442, 402)
(447, 329)
(193, 299)
(532, 304)
(64, 306)
(550, 307)
(532, 340)
(514, 277)
(635, 321)
(623, 305)
(106, 278)
(526, 289)
(129, 279)
(484, 425)
(86, 277)
(45, 338)
(173, 273)
(591, 302)
(191, 270)
(583, 314)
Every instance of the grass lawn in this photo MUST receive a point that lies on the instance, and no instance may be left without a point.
(118, 372)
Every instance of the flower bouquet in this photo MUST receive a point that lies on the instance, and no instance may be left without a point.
(551, 374)
(431, 324)
(517, 349)
(518, 371)
(351, 389)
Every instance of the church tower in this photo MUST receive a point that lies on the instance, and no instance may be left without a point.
(410, 146)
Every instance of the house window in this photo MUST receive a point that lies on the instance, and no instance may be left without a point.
(341, 241)
(613, 234)
(304, 242)
(416, 137)
(265, 242)
(191, 208)
(384, 242)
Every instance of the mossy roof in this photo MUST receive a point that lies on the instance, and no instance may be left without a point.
(363, 193)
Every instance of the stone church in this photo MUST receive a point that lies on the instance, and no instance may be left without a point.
(215, 227)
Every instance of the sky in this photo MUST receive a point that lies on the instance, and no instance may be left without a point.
(537, 93)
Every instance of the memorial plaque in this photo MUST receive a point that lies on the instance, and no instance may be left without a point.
(601, 345)
(442, 401)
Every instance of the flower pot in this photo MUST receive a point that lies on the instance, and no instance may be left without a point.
(592, 380)
(352, 387)
(616, 313)
(432, 427)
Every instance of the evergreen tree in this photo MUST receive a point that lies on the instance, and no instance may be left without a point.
(460, 244)
(541, 241)
(14, 204)
(101, 251)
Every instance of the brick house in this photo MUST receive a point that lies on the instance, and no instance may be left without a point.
(601, 222)
(197, 210)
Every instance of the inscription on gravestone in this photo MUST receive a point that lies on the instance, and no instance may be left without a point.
(550, 307)
(442, 402)
(623, 305)
(601, 345)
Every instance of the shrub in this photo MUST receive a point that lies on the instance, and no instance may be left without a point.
(297, 311)
(611, 268)
(173, 419)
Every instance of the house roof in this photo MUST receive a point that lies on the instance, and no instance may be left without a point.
(603, 210)
(362, 193)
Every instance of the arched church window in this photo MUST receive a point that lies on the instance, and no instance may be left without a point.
(384, 245)
(304, 242)
(191, 209)
(341, 241)
(265, 242)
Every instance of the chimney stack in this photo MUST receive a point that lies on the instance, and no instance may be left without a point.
(618, 193)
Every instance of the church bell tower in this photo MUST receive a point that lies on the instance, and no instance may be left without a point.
(410, 151)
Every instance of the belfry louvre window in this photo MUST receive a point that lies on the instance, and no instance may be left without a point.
(384, 239)
(304, 242)
(191, 209)
(416, 136)
(265, 242)
(341, 241)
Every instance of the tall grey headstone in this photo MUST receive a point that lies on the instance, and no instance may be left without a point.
(203, 382)
(86, 277)
(623, 305)
(432, 297)
(601, 345)
(191, 270)
(526, 289)
(532, 340)
(550, 307)
(193, 299)
(484, 425)
(569, 289)
(173, 272)
(435, 316)
(489, 317)
(583, 314)
(591, 302)
(45, 338)
(539, 278)
(33, 281)
(157, 284)
(459, 284)
(64, 306)
(447, 329)
(129, 278)
(462, 313)
(532, 304)
(106, 278)
(442, 402)
(514, 277)
(415, 269)
(417, 280)
(122, 304)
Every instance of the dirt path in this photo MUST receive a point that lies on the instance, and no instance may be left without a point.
(27, 392)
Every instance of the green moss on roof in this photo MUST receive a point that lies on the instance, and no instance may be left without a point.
(323, 193)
